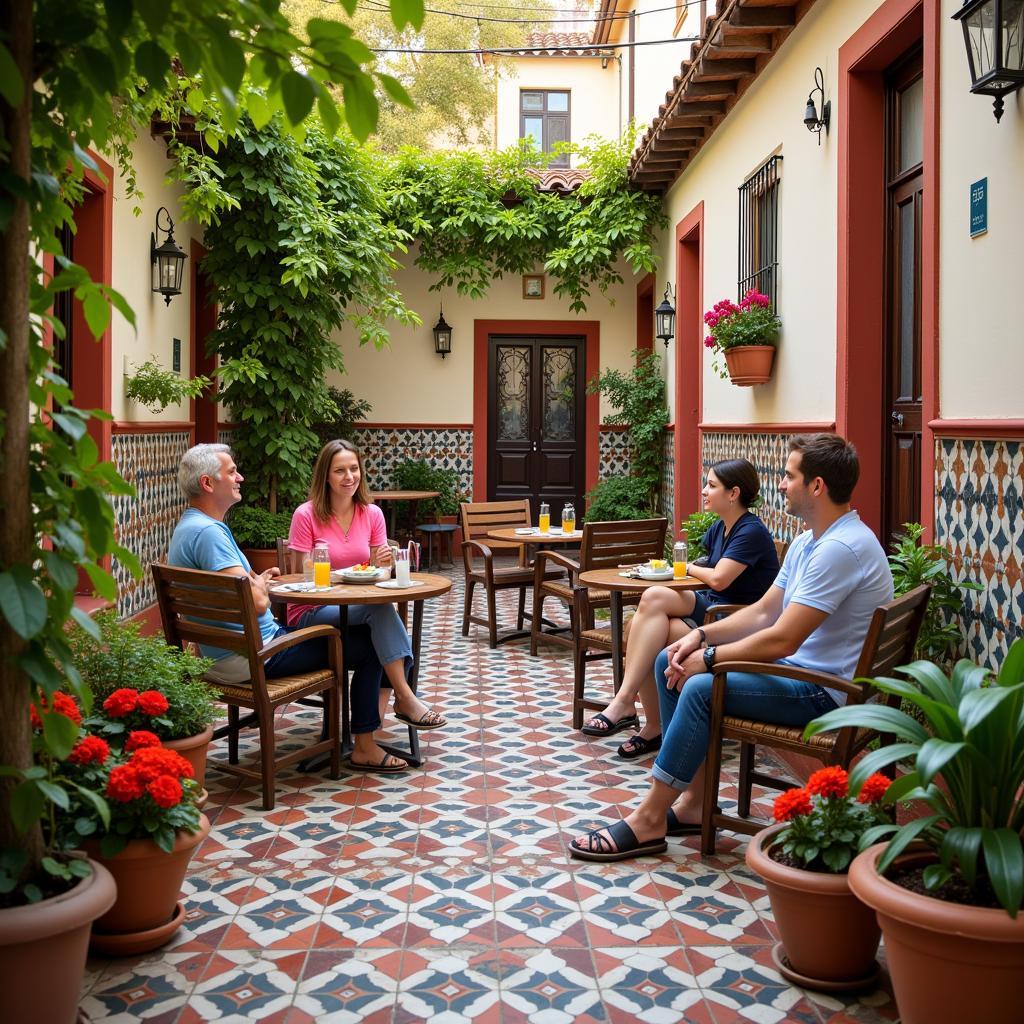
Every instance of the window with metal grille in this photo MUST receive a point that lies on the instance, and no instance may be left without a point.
(759, 231)
(544, 117)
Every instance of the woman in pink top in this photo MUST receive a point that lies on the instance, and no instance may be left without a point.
(339, 513)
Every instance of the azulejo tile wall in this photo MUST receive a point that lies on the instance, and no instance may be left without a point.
(979, 519)
(144, 524)
(668, 477)
(613, 452)
(441, 446)
(768, 453)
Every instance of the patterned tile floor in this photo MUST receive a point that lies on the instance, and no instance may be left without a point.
(445, 894)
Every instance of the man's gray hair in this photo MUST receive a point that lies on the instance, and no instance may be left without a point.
(199, 461)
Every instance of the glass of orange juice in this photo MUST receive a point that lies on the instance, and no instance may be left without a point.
(544, 519)
(679, 560)
(321, 566)
(568, 518)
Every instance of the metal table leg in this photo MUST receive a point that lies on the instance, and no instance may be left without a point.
(615, 608)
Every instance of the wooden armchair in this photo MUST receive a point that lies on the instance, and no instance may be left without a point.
(200, 607)
(890, 642)
(478, 519)
(719, 611)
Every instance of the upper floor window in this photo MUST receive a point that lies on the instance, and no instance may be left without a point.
(759, 231)
(544, 117)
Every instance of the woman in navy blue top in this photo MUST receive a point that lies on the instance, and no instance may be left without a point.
(741, 566)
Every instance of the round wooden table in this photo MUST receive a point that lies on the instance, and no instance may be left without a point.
(510, 533)
(413, 497)
(613, 581)
(344, 595)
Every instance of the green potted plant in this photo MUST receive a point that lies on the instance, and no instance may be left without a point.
(745, 333)
(419, 475)
(694, 530)
(948, 888)
(256, 532)
(828, 937)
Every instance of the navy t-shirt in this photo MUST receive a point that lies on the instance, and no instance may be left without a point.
(750, 543)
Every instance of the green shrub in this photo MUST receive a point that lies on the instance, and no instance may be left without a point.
(418, 475)
(350, 410)
(695, 526)
(619, 498)
(258, 528)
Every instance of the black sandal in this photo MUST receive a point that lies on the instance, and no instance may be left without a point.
(629, 722)
(627, 845)
(638, 746)
(683, 828)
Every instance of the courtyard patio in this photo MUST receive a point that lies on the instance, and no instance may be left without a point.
(446, 894)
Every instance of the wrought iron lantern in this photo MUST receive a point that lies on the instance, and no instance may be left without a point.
(665, 317)
(811, 119)
(442, 336)
(168, 261)
(994, 37)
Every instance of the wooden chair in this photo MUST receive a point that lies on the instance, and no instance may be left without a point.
(604, 546)
(186, 596)
(890, 642)
(478, 519)
(720, 611)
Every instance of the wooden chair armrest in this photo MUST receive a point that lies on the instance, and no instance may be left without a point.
(300, 636)
(471, 547)
(557, 558)
(771, 668)
(720, 611)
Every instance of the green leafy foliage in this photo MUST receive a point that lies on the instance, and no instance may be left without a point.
(256, 527)
(913, 564)
(972, 741)
(156, 388)
(619, 498)
(419, 475)
(695, 528)
(348, 411)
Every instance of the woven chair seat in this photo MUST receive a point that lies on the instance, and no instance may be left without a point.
(766, 731)
(564, 591)
(279, 690)
(600, 637)
(522, 574)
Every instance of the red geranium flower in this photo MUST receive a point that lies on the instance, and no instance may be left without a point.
(153, 702)
(151, 762)
(830, 781)
(63, 704)
(874, 789)
(89, 749)
(37, 722)
(791, 803)
(165, 791)
(140, 738)
(121, 702)
(124, 784)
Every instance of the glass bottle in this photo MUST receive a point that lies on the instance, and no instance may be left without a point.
(321, 565)
(679, 559)
(544, 519)
(568, 518)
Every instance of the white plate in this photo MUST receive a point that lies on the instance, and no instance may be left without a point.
(393, 585)
(526, 531)
(294, 588)
(660, 576)
(345, 576)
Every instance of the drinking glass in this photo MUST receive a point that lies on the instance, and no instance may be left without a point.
(307, 566)
(568, 519)
(679, 559)
(321, 565)
(544, 519)
(402, 568)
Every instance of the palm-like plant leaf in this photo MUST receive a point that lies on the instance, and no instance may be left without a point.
(1004, 859)
(934, 755)
(875, 760)
(869, 716)
(962, 846)
(903, 838)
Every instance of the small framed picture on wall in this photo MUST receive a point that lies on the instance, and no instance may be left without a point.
(533, 286)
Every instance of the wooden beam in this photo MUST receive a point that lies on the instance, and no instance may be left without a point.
(688, 121)
(763, 17)
(707, 92)
(681, 133)
(733, 41)
(718, 69)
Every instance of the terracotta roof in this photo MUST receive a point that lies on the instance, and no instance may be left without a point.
(543, 43)
(559, 179)
(735, 47)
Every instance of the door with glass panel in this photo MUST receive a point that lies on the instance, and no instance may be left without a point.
(536, 421)
(902, 364)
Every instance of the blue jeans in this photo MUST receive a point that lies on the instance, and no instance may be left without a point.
(686, 715)
(360, 659)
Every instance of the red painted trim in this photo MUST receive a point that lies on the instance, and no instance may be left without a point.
(148, 620)
(689, 358)
(997, 430)
(860, 295)
(152, 426)
(766, 428)
(202, 319)
(414, 426)
(482, 330)
(611, 427)
(645, 314)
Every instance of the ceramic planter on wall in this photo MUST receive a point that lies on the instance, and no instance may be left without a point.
(750, 364)
(43, 948)
(829, 938)
(947, 961)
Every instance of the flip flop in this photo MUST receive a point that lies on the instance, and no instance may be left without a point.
(629, 722)
(626, 842)
(423, 723)
(682, 828)
(382, 768)
(638, 746)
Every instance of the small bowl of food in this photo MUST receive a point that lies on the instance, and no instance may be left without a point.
(362, 573)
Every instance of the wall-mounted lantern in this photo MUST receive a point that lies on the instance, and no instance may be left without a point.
(442, 336)
(811, 119)
(994, 37)
(168, 261)
(665, 317)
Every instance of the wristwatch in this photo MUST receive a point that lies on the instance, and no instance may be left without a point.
(703, 637)
(709, 657)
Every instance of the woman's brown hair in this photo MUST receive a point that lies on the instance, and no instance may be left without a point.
(320, 488)
(739, 473)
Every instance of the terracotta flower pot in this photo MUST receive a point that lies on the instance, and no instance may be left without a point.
(193, 749)
(261, 559)
(43, 948)
(750, 364)
(829, 938)
(146, 913)
(947, 961)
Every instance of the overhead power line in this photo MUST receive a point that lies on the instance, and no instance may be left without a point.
(378, 6)
(534, 49)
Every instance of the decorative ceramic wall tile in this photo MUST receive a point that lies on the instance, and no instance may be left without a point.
(979, 519)
(668, 476)
(144, 524)
(442, 447)
(613, 453)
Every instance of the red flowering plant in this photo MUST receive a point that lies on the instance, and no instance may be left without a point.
(751, 321)
(826, 819)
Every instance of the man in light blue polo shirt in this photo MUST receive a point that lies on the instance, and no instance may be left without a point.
(816, 615)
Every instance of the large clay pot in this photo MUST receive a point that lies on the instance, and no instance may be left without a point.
(261, 559)
(947, 961)
(43, 948)
(750, 364)
(829, 938)
(193, 749)
(146, 913)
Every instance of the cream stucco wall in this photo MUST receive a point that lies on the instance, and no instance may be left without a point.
(981, 337)
(409, 383)
(156, 323)
(593, 103)
(766, 120)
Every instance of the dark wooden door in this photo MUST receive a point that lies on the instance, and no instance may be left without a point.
(903, 389)
(536, 421)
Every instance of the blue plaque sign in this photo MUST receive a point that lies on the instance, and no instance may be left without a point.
(979, 207)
